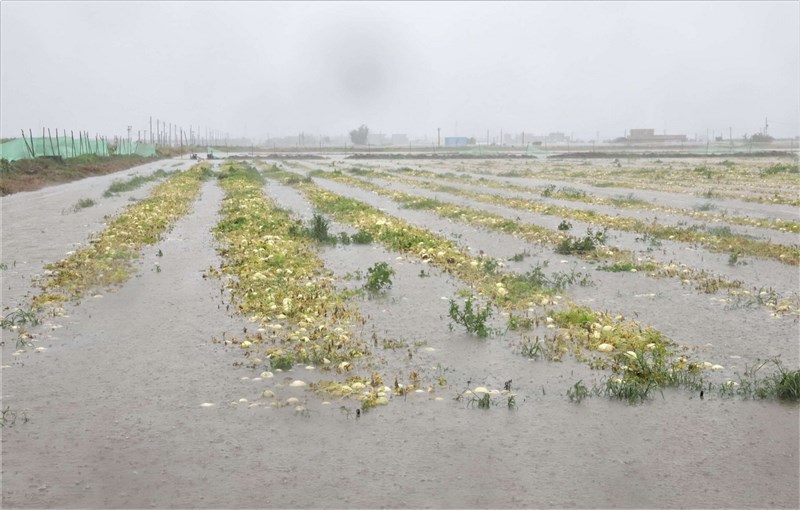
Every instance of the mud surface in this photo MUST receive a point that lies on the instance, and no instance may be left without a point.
(114, 416)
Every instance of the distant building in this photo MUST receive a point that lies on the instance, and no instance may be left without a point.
(399, 139)
(376, 139)
(557, 138)
(455, 141)
(649, 135)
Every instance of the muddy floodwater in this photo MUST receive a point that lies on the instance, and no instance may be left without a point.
(134, 400)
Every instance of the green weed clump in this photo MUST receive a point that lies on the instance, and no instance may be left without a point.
(422, 203)
(283, 361)
(21, 317)
(83, 204)
(787, 384)
(519, 257)
(574, 317)
(724, 231)
(629, 200)
(779, 168)
(379, 277)
(318, 230)
(577, 392)
(782, 384)
(472, 317)
(533, 349)
(536, 281)
(582, 245)
(627, 267)
(361, 237)
(564, 226)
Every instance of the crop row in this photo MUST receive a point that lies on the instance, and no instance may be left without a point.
(638, 356)
(629, 202)
(107, 260)
(682, 180)
(590, 246)
(276, 278)
(721, 240)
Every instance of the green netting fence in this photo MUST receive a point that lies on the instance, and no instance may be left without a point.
(64, 146)
(140, 149)
(218, 154)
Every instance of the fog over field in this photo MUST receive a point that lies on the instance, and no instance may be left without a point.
(590, 70)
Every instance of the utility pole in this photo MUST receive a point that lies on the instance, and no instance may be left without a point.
(438, 137)
(151, 129)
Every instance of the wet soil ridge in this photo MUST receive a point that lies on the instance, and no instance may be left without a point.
(640, 358)
(108, 259)
(591, 246)
(276, 278)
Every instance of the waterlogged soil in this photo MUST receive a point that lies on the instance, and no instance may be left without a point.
(40, 227)
(680, 197)
(733, 336)
(114, 415)
(660, 217)
(754, 272)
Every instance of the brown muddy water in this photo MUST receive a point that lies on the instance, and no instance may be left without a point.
(114, 415)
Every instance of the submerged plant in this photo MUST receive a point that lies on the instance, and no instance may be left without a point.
(782, 384)
(584, 244)
(318, 229)
(518, 257)
(361, 237)
(83, 204)
(577, 392)
(473, 318)
(533, 349)
(564, 226)
(379, 277)
(21, 316)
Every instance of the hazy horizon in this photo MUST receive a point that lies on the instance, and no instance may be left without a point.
(258, 70)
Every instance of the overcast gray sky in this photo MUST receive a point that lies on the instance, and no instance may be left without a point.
(275, 68)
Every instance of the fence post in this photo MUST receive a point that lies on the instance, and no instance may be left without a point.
(30, 151)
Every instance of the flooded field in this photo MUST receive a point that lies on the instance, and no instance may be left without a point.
(404, 334)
